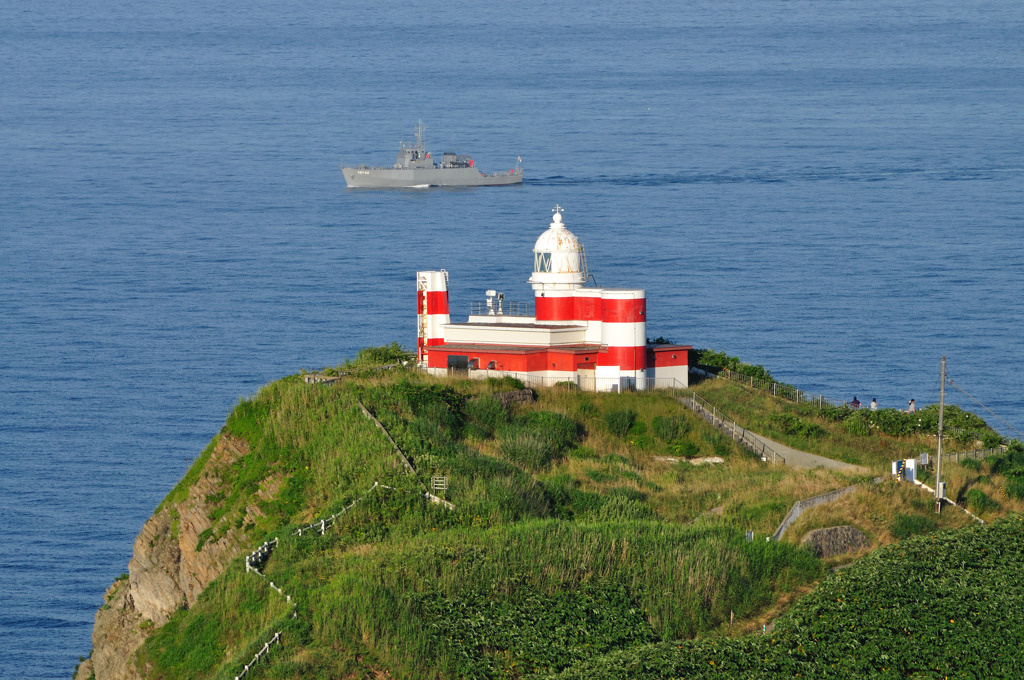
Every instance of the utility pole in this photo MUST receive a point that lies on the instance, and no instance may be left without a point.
(938, 457)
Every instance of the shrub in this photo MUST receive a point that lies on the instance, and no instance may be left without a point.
(582, 453)
(561, 431)
(979, 501)
(526, 448)
(619, 507)
(857, 424)
(486, 412)
(904, 526)
(1015, 488)
(380, 356)
(836, 413)
(991, 439)
(789, 424)
(641, 441)
(505, 383)
(538, 438)
(670, 428)
(686, 449)
(971, 464)
(716, 359)
(620, 421)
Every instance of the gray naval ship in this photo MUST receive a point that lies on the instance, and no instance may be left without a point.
(416, 168)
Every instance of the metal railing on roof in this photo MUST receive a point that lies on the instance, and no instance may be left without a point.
(504, 308)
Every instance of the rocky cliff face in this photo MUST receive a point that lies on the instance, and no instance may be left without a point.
(169, 568)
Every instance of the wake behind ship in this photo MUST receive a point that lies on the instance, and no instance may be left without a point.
(416, 168)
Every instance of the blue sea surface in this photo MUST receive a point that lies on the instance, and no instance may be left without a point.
(834, 190)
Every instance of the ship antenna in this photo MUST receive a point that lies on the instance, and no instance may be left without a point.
(419, 133)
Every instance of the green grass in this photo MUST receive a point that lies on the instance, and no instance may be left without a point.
(870, 439)
(939, 606)
(220, 630)
(469, 602)
(577, 537)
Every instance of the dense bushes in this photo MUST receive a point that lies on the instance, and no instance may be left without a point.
(944, 605)
(1011, 466)
(979, 501)
(716, 359)
(620, 421)
(790, 424)
(962, 425)
(905, 526)
(485, 414)
(537, 438)
(543, 596)
(670, 428)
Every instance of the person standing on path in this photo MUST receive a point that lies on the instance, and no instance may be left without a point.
(911, 408)
(874, 404)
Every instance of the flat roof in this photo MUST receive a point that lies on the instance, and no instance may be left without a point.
(542, 326)
(515, 349)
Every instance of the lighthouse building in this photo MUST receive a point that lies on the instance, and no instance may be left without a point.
(593, 337)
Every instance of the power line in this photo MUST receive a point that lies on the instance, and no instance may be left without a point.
(971, 397)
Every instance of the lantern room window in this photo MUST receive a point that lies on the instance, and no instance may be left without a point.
(542, 262)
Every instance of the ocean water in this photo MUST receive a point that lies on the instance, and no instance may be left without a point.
(832, 190)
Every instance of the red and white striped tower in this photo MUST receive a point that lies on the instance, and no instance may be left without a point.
(559, 268)
(431, 311)
(624, 332)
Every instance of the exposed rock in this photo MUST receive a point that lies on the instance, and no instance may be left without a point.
(523, 396)
(153, 571)
(118, 632)
(85, 671)
(169, 568)
(834, 541)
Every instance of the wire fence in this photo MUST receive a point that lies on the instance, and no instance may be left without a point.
(575, 381)
(978, 454)
(775, 388)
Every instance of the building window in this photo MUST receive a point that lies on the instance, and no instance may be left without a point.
(491, 365)
(457, 362)
(474, 364)
(542, 262)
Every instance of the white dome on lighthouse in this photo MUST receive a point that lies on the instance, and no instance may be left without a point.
(558, 258)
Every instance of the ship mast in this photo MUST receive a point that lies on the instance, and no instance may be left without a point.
(419, 133)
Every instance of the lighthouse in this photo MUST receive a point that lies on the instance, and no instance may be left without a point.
(593, 337)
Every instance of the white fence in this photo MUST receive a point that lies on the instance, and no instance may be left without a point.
(257, 559)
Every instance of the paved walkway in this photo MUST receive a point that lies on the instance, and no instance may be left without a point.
(803, 459)
(761, 445)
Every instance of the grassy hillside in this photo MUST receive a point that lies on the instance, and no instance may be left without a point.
(580, 531)
(943, 606)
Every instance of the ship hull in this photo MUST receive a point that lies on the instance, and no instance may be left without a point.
(398, 178)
